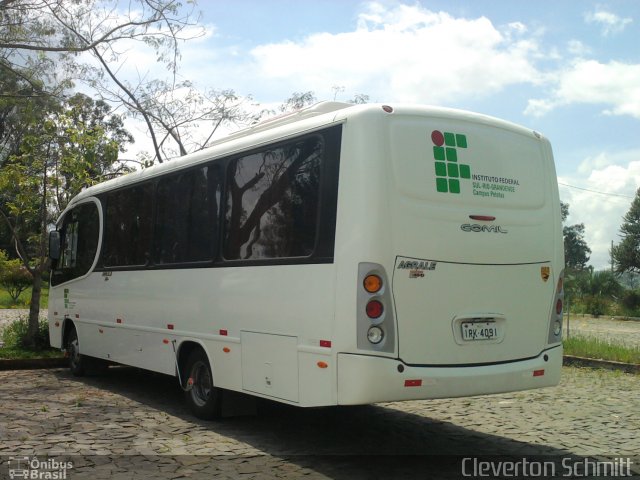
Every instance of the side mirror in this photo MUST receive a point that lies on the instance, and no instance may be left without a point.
(54, 245)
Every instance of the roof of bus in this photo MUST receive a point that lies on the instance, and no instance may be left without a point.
(283, 126)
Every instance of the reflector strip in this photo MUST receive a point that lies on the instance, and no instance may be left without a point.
(413, 383)
(223, 333)
(538, 373)
(165, 341)
(170, 326)
(77, 315)
(118, 320)
(482, 218)
(325, 343)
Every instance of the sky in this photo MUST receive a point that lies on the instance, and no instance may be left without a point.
(567, 68)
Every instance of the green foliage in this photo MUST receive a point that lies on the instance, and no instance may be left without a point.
(14, 335)
(626, 255)
(596, 305)
(14, 277)
(630, 301)
(576, 250)
(600, 349)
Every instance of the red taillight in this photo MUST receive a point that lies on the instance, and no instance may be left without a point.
(559, 306)
(374, 309)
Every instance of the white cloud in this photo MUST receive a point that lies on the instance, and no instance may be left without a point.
(405, 53)
(609, 22)
(602, 213)
(577, 48)
(614, 84)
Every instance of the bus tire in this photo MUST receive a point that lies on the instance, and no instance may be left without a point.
(77, 361)
(203, 397)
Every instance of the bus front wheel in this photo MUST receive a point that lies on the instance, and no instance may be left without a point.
(203, 397)
(77, 361)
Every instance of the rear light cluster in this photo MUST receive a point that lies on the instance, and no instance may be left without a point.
(376, 330)
(555, 327)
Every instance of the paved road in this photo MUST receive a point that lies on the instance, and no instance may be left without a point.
(129, 424)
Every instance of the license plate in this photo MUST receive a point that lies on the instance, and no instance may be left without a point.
(478, 331)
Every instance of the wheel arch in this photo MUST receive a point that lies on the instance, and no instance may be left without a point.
(184, 350)
(67, 327)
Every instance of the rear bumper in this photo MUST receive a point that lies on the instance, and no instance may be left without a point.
(366, 379)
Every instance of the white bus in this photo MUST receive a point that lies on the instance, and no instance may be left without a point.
(340, 255)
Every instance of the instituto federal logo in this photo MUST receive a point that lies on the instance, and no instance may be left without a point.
(445, 153)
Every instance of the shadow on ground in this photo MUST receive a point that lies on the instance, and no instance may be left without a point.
(340, 442)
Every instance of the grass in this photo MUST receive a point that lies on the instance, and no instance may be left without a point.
(23, 300)
(15, 353)
(600, 349)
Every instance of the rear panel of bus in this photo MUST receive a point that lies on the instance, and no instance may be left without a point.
(468, 250)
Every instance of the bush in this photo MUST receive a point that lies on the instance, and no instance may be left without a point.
(596, 305)
(14, 277)
(630, 300)
(15, 333)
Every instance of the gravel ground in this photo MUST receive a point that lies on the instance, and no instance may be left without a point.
(625, 332)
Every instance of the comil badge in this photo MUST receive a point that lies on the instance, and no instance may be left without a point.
(545, 273)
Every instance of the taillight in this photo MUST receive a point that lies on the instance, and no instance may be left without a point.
(555, 322)
(375, 309)
(372, 283)
(375, 335)
(375, 322)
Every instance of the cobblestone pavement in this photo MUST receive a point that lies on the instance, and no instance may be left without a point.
(626, 332)
(133, 424)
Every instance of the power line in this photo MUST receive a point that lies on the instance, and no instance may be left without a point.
(609, 194)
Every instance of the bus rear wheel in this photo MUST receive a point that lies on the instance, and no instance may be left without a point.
(203, 397)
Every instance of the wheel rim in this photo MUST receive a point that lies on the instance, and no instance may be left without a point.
(202, 383)
(74, 352)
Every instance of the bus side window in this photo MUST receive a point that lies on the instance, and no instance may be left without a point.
(128, 227)
(79, 243)
(273, 201)
(185, 216)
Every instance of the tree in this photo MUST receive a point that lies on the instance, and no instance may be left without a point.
(62, 149)
(41, 37)
(626, 255)
(576, 250)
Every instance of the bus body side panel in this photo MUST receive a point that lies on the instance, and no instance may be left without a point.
(133, 317)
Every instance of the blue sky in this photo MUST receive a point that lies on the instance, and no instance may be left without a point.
(569, 69)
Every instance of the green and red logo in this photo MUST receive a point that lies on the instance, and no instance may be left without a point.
(445, 153)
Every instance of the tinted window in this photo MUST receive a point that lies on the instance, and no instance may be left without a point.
(79, 243)
(128, 227)
(272, 202)
(186, 216)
